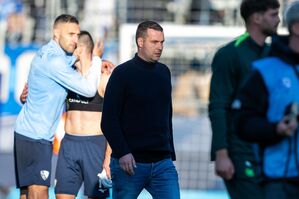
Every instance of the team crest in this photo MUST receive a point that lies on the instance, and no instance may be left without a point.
(44, 174)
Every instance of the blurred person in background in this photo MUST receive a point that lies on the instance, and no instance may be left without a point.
(14, 30)
(11, 22)
(51, 75)
(137, 121)
(267, 111)
(235, 160)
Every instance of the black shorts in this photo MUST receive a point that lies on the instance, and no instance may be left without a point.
(32, 161)
(80, 159)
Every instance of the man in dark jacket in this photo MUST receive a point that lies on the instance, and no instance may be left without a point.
(267, 111)
(234, 159)
(137, 121)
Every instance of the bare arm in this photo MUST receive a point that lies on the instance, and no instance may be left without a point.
(106, 162)
(98, 49)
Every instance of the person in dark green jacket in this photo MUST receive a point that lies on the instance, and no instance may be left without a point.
(235, 160)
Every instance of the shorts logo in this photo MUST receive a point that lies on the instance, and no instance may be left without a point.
(44, 174)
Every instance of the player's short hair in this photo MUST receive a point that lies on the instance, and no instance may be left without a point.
(143, 26)
(65, 18)
(86, 38)
(249, 7)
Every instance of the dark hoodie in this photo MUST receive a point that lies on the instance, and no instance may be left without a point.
(250, 122)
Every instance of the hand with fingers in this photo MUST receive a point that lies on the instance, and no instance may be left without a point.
(287, 126)
(98, 48)
(107, 67)
(224, 166)
(128, 164)
(24, 94)
(106, 167)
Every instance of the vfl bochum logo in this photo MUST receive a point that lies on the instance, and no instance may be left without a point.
(44, 174)
(287, 82)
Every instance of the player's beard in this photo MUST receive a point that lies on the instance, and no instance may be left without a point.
(270, 31)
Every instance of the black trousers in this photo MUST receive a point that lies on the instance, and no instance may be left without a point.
(282, 190)
(246, 182)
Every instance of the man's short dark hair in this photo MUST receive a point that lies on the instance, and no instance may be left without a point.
(249, 7)
(143, 26)
(86, 38)
(65, 18)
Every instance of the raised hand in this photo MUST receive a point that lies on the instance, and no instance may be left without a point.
(98, 48)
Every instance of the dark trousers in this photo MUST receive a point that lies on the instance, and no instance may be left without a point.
(282, 190)
(246, 181)
(244, 189)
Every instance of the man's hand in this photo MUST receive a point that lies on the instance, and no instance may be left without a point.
(223, 165)
(107, 67)
(24, 94)
(127, 163)
(98, 48)
(287, 126)
(106, 167)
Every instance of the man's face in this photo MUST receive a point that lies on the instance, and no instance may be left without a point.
(270, 21)
(67, 36)
(79, 49)
(295, 29)
(151, 46)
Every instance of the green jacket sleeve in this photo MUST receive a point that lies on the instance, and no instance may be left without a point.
(221, 93)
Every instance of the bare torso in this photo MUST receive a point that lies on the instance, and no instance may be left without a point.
(86, 122)
(83, 123)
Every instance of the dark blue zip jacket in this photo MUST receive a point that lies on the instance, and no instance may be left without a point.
(262, 102)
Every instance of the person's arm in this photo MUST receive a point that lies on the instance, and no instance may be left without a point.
(103, 84)
(173, 156)
(114, 99)
(24, 94)
(94, 69)
(221, 91)
(102, 88)
(108, 68)
(106, 161)
(69, 78)
(250, 112)
(98, 49)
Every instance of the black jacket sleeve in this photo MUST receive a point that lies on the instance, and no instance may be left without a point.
(173, 156)
(113, 104)
(250, 112)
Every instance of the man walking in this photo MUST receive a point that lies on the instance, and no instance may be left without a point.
(137, 121)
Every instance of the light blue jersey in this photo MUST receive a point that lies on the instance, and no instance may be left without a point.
(51, 74)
